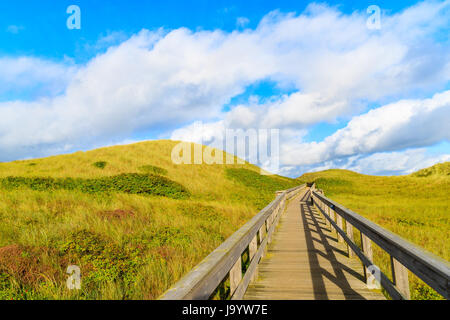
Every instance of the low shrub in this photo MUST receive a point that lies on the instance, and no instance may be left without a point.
(132, 183)
(261, 188)
(102, 261)
(100, 164)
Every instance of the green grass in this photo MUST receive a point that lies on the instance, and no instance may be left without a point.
(153, 170)
(260, 188)
(100, 164)
(134, 226)
(132, 183)
(416, 207)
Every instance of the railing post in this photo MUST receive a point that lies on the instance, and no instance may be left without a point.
(261, 237)
(269, 239)
(349, 231)
(252, 248)
(332, 216)
(261, 233)
(341, 226)
(327, 222)
(400, 277)
(235, 275)
(371, 281)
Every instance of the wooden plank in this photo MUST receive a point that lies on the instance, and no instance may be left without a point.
(235, 275)
(385, 282)
(349, 231)
(400, 276)
(252, 249)
(268, 226)
(432, 269)
(341, 226)
(249, 275)
(332, 216)
(296, 263)
(369, 271)
(253, 267)
(262, 235)
(203, 279)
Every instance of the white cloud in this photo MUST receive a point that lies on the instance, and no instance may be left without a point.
(241, 22)
(382, 163)
(400, 125)
(396, 162)
(297, 110)
(14, 29)
(162, 80)
(111, 38)
(46, 77)
(360, 146)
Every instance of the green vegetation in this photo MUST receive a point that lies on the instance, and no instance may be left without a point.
(139, 224)
(438, 170)
(415, 207)
(153, 170)
(132, 232)
(261, 188)
(100, 164)
(132, 183)
(106, 261)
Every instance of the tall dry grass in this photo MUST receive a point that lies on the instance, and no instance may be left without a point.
(128, 246)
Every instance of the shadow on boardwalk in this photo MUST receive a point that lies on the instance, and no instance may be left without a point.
(306, 261)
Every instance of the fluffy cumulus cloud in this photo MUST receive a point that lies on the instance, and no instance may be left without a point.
(329, 63)
(397, 126)
(46, 78)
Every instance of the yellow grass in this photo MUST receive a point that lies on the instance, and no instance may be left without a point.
(146, 242)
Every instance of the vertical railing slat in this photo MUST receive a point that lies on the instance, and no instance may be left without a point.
(252, 248)
(349, 231)
(400, 277)
(235, 275)
(341, 226)
(371, 281)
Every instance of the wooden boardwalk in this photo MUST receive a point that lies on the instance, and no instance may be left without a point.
(295, 254)
(306, 261)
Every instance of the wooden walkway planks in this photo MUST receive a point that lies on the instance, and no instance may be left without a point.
(305, 261)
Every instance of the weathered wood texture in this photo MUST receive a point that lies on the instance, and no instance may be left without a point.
(305, 261)
(367, 262)
(203, 279)
(400, 276)
(310, 256)
(349, 230)
(370, 277)
(433, 270)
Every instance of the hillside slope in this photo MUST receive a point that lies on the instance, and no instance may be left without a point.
(133, 221)
(415, 207)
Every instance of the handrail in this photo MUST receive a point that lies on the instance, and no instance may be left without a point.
(431, 269)
(201, 282)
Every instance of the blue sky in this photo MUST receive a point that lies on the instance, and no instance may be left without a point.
(44, 32)
(314, 71)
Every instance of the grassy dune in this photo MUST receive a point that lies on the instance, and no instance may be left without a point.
(133, 221)
(416, 207)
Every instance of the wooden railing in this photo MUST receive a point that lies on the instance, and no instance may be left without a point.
(202, 281)
(433, 270)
